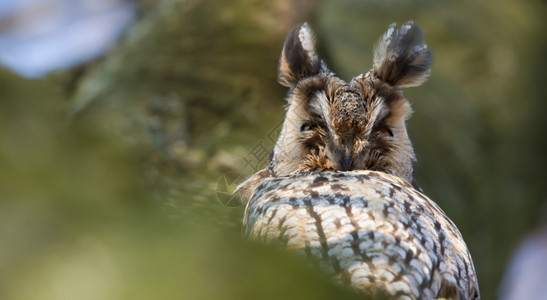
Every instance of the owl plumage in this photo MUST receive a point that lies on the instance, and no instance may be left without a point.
(340, 185)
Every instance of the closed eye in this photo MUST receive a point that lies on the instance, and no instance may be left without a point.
(386, 131)
(307, 127)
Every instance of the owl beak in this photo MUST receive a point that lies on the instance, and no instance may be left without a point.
(348, 146)
(346, 162)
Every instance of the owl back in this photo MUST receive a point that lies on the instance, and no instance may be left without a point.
(369, 230)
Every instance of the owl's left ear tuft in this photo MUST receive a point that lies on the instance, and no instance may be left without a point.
(298, 59)
(401, 57)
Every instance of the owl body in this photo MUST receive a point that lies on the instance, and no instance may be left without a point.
(340, 185)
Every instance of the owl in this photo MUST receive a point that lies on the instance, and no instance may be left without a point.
(340, 187)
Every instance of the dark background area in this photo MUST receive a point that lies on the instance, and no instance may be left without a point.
(113, 173)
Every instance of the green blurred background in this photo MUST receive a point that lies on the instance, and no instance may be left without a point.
(112, 173)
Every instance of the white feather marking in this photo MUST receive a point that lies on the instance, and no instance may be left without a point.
(321, 105)
(307, 39)
(400, 286)
(377, 112)
(380, 50)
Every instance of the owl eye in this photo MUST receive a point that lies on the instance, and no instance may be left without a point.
(306, 127)
(386, 131)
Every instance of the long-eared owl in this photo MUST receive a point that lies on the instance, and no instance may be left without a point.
(340, 185)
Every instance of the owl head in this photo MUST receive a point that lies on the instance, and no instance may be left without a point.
(333, 125)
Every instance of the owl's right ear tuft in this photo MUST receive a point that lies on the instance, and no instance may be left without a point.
(298, 58)
(401, 57)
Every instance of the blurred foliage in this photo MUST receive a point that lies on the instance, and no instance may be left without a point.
(79, 217)
(109, 172)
